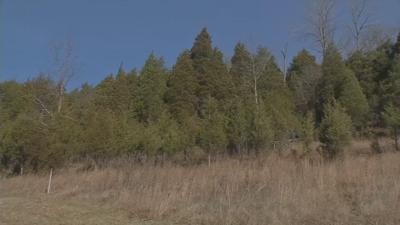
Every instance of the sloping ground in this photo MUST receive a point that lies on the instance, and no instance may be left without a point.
(49, 210)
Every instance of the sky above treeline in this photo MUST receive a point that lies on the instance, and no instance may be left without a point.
(106, 34)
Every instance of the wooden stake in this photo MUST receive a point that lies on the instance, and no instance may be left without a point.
(49, 185)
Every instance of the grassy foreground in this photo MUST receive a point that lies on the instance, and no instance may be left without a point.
(357, 190)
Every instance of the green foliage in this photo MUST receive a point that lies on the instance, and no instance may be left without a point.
(201, 103)
(353, 99)
(392, 119)
(391, 85)
(262, 132)
(392, 116)
(212, 75)
(212, 137)
(307, 132)
(152, 85)
(182, 86)
(242, 69)
(335, 129)
(340, 84)
(304, 76)
(202, 48)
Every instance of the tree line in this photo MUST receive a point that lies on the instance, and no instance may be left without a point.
(245, 106)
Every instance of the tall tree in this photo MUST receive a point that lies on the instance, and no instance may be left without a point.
(360, 11)
(304, 76)
(335, 129)
(339, 83)
(151, 90)
(182, 86)
(392, 119)
(322, 24)
(211, 72)
(64, 62)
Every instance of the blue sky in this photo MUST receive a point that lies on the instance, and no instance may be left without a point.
(107, 33)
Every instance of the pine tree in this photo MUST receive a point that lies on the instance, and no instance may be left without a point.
(304, 75)
(335, 129)
(241, 69)
(105, 93)
(121, 92)
(149, 103)
(392, 119)
(202, 49)
(395, 51)
(339, 83)
(211, 72)
(275, 98)
(182, 86)
(391, 97)
(238, 110)
(212, 136)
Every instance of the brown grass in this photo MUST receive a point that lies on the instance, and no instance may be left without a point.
(356, 190)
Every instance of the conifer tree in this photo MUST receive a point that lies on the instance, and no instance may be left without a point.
(122, 92)
(182, 86)
(149, 103)
(392, 119)
(211, 72)
(212, 136)
(239, 108)
(335, 129)
(304, 75)
(339, 83)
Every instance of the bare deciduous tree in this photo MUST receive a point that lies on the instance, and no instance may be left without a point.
(64, 61)
(360, 21)
(321, 21)
(284, 53)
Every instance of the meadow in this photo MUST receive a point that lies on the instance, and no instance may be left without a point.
(360, 188)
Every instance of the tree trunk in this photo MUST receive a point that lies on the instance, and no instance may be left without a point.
(396, 141)
(209, 160)
(255, 91)
(61, 91)
(185, 155)
(162, 159)
(49, 184)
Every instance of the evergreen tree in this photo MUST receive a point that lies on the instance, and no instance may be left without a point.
(275, 98)
(241, 69)
(182, 86)
(211, 72)
(149, 103)
(105, 92)
(339, 83)
(122, 92)
(335, 129)
(202, 49)
(392, 118)
(395, 50)
(304, 75)
(238, 108)
(212, 136)
(307, 132)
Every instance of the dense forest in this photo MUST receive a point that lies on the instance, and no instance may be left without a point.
(206, 104)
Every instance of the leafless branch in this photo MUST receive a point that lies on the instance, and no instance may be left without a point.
(43, 106)
(64, 62)
(321, 23)
(360, 20)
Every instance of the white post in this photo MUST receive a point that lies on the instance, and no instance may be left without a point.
(49, 185)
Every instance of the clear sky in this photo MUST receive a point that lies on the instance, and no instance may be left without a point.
(106, 33)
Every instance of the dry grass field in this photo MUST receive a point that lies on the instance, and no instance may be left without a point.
(357, 190)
